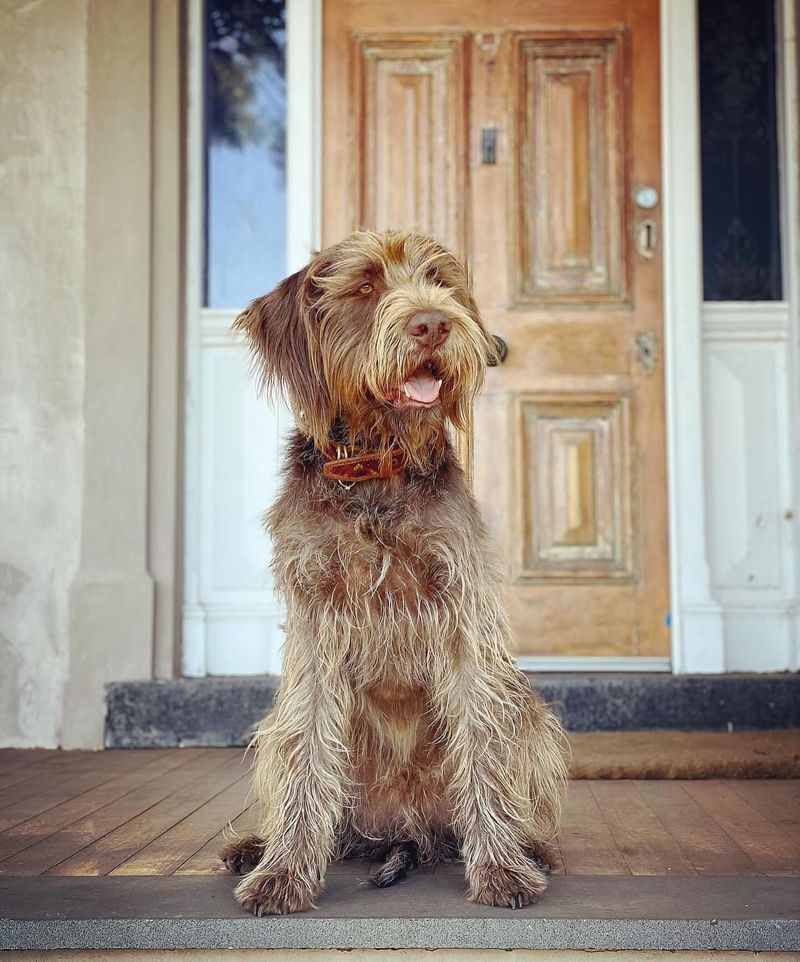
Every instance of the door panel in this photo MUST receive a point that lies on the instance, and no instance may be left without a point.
(575, 516)
(569, 463)
(570, 190)
(409, 98)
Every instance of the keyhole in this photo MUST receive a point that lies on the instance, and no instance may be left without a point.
(646, 238)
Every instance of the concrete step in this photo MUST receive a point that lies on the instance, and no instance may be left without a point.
(222, 711)
(428, 911)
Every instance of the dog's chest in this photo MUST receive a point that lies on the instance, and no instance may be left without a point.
(386, 567)
(368, 568)
(385, 592)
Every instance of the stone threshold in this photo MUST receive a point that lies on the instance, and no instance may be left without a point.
(222, 711)
(580, 913)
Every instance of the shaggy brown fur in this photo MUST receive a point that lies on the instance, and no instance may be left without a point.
(402, 728)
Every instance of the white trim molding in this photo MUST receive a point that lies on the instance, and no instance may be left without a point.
(193, 640)
(698, 643)
(746, 321)
(789, 151)
(303, 130)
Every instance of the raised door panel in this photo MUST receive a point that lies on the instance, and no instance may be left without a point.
(409, 114)
(743, 462)
(575, 504)
(570, 149)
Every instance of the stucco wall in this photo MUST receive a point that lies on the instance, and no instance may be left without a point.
(42, 172)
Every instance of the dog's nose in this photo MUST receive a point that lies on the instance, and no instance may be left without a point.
(429, 328)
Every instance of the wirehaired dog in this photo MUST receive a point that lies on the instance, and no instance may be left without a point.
(402, 728)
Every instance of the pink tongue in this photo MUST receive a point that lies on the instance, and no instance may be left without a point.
(422, 388)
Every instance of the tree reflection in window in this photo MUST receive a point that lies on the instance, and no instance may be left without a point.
(245, 137)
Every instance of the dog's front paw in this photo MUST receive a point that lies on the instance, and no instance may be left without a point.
(507, 886)
(276, 893)
(243, 854)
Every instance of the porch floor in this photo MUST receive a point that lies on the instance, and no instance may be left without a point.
(126, 841)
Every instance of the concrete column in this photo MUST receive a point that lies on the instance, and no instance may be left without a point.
(42, 178)
(112, 598)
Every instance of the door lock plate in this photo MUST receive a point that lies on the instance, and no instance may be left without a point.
(647, 238)
(647, 351)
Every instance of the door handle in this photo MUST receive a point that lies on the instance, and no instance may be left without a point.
(501, 349)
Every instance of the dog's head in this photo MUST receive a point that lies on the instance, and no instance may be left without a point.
(381, 331)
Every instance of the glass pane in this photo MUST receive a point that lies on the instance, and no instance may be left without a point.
(245, 135)
(741, 223)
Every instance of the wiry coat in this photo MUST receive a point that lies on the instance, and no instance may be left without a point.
(402, 727)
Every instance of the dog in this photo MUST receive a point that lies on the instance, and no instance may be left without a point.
(402, 729)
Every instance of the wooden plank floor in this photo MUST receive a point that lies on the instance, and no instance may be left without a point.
(166, 812)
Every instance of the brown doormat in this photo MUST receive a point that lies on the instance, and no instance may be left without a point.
(686, 754)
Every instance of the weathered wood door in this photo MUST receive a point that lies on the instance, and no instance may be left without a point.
(522, 134)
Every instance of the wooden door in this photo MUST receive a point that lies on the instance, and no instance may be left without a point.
(520, 135)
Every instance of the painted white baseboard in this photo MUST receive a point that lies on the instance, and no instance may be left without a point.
(547, 663)
(242, 639)
(699, 636)
(762, 639)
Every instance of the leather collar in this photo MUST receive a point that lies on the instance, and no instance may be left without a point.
(367, 466)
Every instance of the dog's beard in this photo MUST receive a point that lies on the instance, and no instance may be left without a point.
(423, 385)
(459, 363)
(389, 390)
(398, 393)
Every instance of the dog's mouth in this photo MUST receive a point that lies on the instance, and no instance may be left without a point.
(420, 390)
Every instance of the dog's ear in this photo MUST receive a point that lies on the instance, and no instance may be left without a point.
(284, 343)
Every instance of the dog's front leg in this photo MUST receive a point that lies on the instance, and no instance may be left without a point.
(482, 706)
(300, 774)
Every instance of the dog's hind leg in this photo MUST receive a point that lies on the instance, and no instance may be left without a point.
(398, 861)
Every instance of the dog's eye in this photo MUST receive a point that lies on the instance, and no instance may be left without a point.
(366, 288)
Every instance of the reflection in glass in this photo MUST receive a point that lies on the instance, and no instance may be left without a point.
(741, 222)
(245, 135)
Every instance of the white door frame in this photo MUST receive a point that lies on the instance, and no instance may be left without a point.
(698, 643)
(303, 130)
